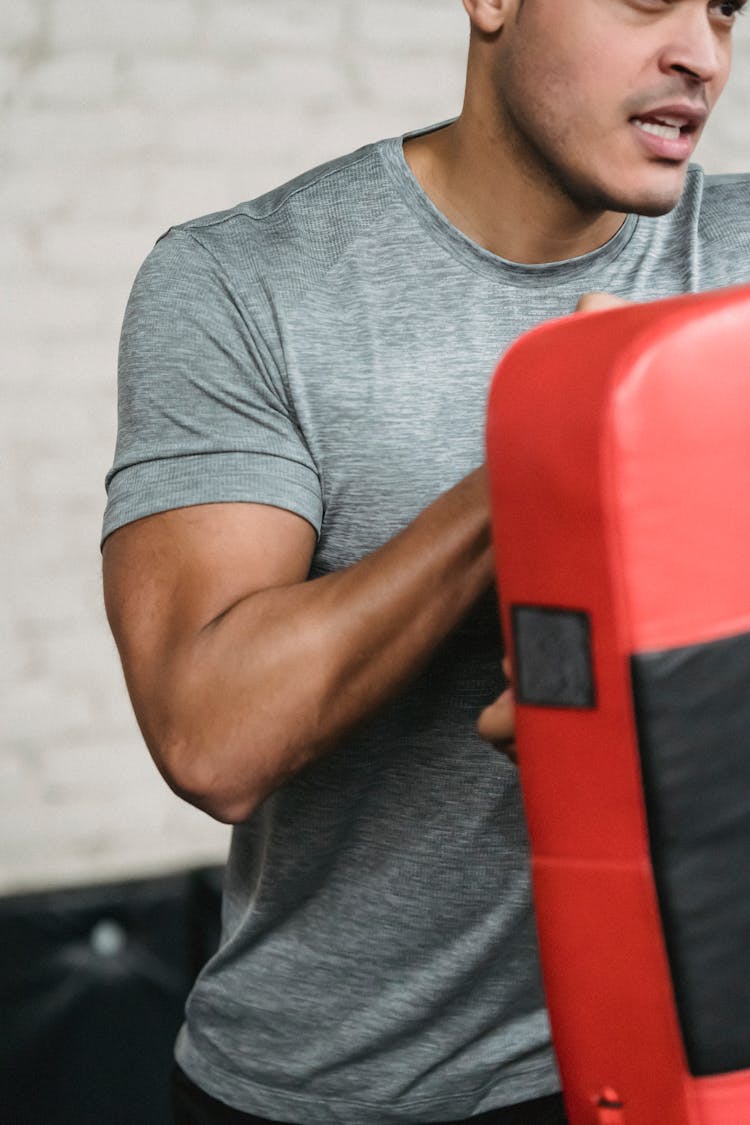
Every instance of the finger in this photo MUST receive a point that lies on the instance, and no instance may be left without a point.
(496, 724)
(596, 302)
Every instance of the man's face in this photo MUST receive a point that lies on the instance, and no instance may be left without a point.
(606, 99)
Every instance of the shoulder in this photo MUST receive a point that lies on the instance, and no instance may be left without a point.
(730, 184)
(297, 230)
(244, 264)
(709, 230)
(725, 205)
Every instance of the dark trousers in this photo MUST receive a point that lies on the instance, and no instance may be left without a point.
(192, 1106)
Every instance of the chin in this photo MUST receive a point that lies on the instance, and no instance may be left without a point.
(652, 205)
(654, 199)
(655, 192)
(651, 200)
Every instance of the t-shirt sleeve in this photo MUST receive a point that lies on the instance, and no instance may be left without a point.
(203, 412)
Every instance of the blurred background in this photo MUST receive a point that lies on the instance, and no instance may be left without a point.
(118, 120)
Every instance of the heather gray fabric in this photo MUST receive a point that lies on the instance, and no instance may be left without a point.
(328, 348)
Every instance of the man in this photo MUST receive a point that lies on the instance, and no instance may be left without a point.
(298, 561)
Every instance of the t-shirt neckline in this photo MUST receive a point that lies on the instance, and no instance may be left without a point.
(477, 257)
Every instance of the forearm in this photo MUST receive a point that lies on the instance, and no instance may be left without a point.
(277, 679)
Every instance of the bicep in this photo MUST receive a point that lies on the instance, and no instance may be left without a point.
(168, 576)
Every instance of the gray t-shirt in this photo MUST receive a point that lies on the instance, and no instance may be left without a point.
(328, 348)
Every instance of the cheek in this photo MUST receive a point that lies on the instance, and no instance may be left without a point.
(567, 88)
(541, 90)
(573, 112)
(567, 93)
(717, 87)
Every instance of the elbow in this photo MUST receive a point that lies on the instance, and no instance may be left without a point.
(225, 807)
(200, 780)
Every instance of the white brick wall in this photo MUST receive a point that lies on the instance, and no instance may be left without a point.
(116, 120)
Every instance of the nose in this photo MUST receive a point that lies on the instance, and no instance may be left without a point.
(695, 49)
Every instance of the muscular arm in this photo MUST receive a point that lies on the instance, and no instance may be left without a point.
(240, 671)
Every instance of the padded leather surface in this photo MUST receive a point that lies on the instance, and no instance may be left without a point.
(693, 715)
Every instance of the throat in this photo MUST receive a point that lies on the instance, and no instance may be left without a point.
(518, 221)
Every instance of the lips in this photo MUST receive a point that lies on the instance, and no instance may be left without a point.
(685, 117)
(666, 126)
(671, 131)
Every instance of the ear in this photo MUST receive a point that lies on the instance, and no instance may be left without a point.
(488, 16)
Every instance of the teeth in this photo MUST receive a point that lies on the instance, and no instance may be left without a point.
(672, 131)
(678, 121)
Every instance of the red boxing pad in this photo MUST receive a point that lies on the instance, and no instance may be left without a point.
(619, 460)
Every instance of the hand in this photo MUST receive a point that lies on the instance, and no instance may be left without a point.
(497, 722)
(595, 302)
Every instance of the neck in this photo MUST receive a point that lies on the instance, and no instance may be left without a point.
(471, 173)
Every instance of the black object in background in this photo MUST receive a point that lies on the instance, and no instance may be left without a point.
(93, 982)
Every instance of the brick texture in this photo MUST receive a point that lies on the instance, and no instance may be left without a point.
(116, 120)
